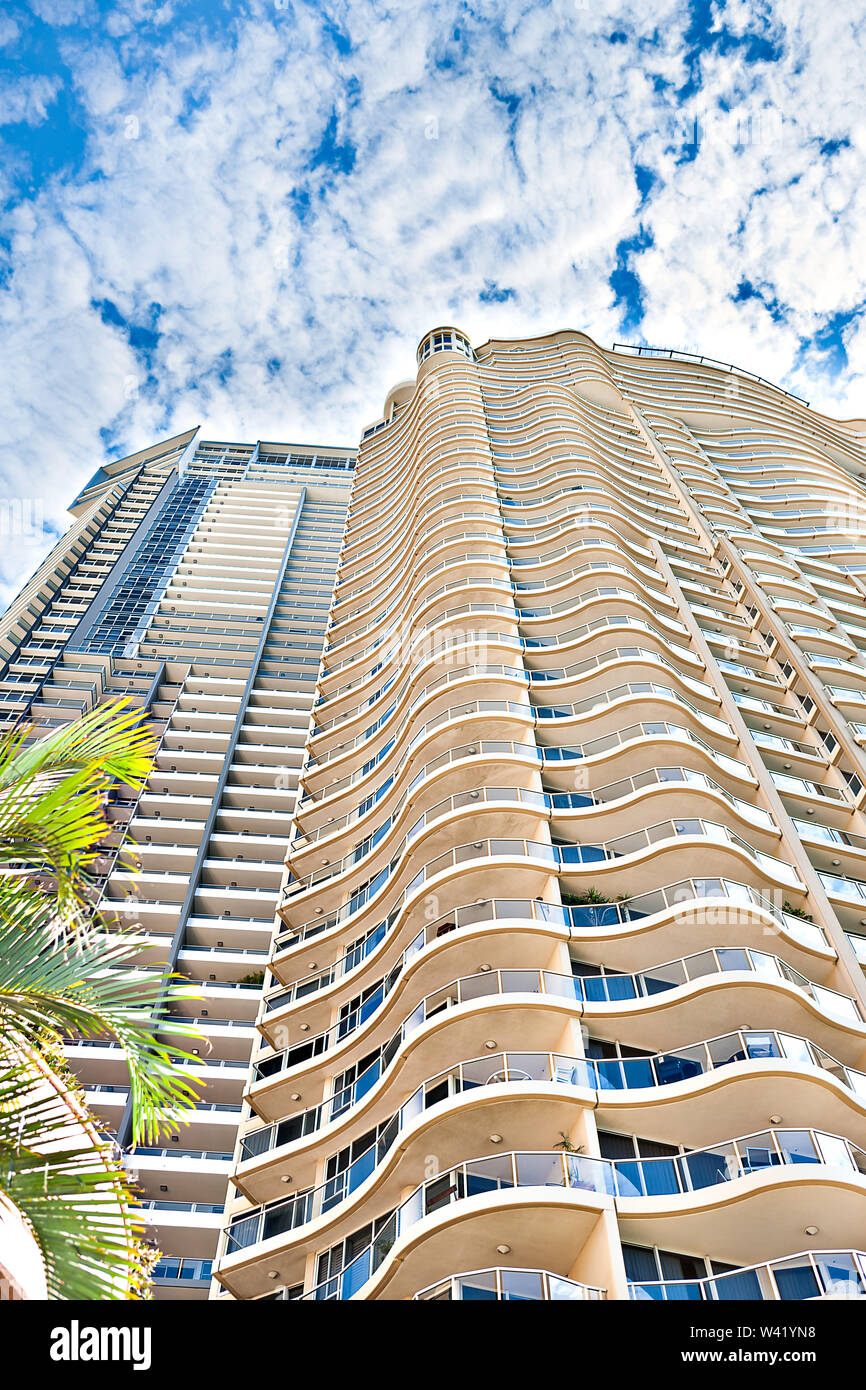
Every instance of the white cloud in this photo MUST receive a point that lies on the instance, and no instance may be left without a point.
(27, 99)
(63, 12)
(481, 148)
(9, 30)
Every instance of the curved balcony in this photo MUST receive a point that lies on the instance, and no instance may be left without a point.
(602, 516)
(729, 901)
(633, 516)
(611, 540)
(428, 440)
(812, 1274)
(611, 796)
(402, 648)
(494, 749)
(647, 582)
(399, 712)
(599, 488)
(391, 661)
(607, 1084)
(563, 806)
(507, 673)
(495, 797)
(430, 651)
(637, 841)
(537, 531)
(680, 1177)
(541, 716)
(485, 581)
(453, 462)
(626, 852)
(639, 733)
(614, 795)
(409, 496)
(539, 855)
(654, 594)
(589, 996)
(605, 474)
(411, 503)
(509, 1286)
(589, 598)
(444, 541)
(395, 594)
(601, 691)
(594, 703)
(589, 631)
(507, 709)
(631, 655)
(645, 520)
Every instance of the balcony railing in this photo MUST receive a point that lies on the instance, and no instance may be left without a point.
(599, 1074)
(813, 1274)
(194, 1208)
(181, 1271)
(480, 748)
(515, 1068)
(572, 708)
(630, 654)
(582, 989)
(678, 1175)
(679, 895)
(484, 708)
(605, 542)
(557, 858)
(852, 889)
(418, 639)
(618, 621)
(556, 801)
(628, 911)
(509, 1286)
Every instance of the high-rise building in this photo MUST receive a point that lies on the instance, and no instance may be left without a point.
(196, 580)
(567, 998)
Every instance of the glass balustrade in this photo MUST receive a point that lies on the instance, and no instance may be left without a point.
(558, 859)
(678, 895)
(168, 1269)
(585, 989)
(510, 1286)
(813, 1274)
(516, 1067)
(565, 855)
(677, 1176)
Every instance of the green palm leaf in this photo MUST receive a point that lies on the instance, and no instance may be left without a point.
(53, 792)
(112, 741)
(68, 1185)
(63, 974)
(87, 985)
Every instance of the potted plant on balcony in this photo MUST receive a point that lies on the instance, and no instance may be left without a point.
(588, 896)
(567, 1146)
(793, 911)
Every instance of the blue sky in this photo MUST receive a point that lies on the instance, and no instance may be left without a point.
(245, 213)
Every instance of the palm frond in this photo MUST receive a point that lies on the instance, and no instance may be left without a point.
(88, 985)
(63, 974)
(111, 740)
(68, 1185)
(53, 792)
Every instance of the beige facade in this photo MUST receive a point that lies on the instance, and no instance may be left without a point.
(567, 998)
